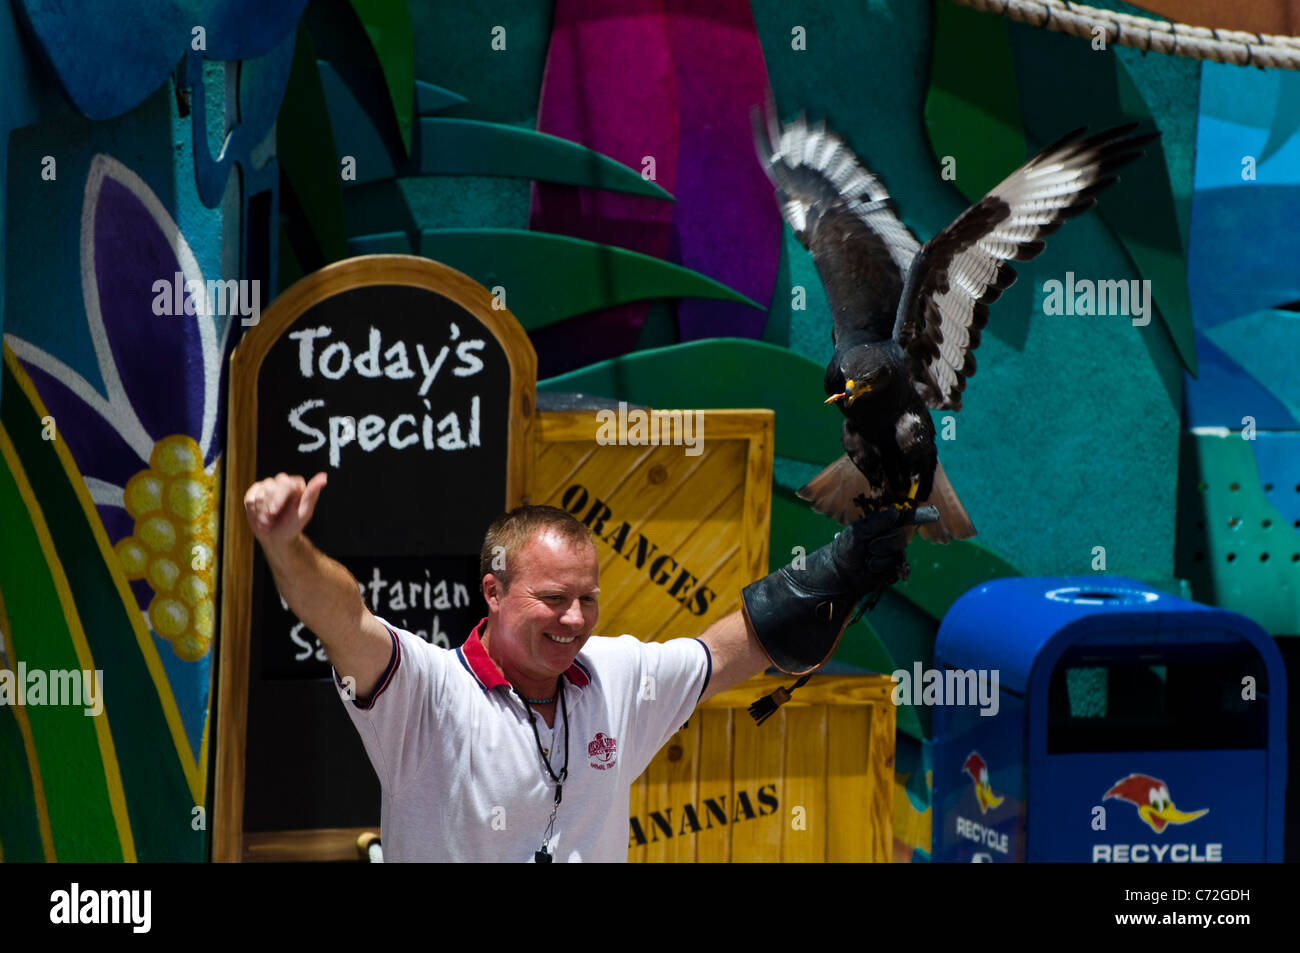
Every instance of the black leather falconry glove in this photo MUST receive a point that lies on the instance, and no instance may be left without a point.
(799, 615)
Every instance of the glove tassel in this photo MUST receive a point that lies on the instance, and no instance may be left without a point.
(766, 706)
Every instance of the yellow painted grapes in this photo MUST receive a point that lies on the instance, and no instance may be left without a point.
(173, 546)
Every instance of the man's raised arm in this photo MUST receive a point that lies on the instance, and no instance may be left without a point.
(319, 590)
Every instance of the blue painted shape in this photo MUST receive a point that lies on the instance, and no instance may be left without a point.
(1242, 95)
(19, 106)
(1247, 112)
(1268, 343)
(247, 29)
(1243, 113)
(1223, 393)
(1286, 120)
(108, 60)
(432, 99)
(270, 74)
(262, 81)
(1221, 144)
(1277, 457)
(42, 271)
(352, 97)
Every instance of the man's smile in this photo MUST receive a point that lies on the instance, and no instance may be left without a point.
(556, 638)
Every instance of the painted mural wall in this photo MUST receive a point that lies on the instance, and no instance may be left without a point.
(136, 141)
(598, 169)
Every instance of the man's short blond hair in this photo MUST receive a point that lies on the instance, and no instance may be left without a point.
(510, 533)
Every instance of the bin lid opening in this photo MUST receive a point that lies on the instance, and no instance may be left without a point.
(1102, 595)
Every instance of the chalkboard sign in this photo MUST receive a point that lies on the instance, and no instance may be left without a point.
(414, 391)
(435, 597)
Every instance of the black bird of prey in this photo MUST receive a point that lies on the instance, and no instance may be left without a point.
(907, 316)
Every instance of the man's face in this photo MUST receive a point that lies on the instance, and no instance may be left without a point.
(547, 615)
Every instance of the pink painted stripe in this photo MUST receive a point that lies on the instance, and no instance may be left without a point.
(609, 84)
(726, 220)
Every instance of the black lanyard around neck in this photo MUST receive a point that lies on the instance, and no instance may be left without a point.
(543, 854)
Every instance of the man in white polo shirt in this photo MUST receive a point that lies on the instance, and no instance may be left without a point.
(523, 743)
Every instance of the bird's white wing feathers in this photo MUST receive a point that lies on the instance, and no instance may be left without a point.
(964, 268)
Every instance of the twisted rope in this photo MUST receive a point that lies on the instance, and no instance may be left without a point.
(1143, 33)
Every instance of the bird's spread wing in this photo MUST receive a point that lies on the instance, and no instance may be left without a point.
(842, 214)
(964, 268)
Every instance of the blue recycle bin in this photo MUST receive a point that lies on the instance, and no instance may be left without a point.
(1117, 724)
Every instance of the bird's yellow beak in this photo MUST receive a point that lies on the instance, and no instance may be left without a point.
(850, 393)
(1159, 819)
(986, 798)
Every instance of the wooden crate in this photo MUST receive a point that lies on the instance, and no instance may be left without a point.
(678, 535)
(828, 752)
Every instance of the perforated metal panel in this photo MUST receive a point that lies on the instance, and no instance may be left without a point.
(1237, 548)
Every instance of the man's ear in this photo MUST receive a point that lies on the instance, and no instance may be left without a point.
(493, 592)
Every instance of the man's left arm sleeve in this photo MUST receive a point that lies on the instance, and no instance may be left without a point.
(673, 678)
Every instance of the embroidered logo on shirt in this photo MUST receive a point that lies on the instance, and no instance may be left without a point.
(603, 752)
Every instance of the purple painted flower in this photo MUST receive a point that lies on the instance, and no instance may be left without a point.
(146, 440)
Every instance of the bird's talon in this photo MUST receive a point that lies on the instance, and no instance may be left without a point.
(867, 506)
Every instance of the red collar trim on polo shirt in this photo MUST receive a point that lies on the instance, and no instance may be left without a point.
(489, 675)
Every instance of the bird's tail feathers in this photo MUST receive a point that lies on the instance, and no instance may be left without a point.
(833, 492)
(953, 521)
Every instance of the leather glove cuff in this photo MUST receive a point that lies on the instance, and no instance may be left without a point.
(799, 613)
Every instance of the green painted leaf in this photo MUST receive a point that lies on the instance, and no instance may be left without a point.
(1267, 342)
(431, 99)
(388, 26)
(20, 832)
(1234, 544)
(384, 243)
(472, 147)
(723, 372)
(305, 149)
(153, 779)
(972, 109)
(941, 574)
(72, 771)
(552, 277)
(1150, 230)
(1140, 209)
(908, 634)
(288, 270)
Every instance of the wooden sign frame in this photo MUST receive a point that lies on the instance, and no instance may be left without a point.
(229, 841)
